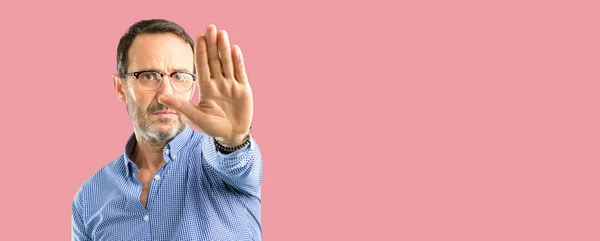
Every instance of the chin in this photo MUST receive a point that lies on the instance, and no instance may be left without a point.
(166, 128)
(161, 134)
(160, 130)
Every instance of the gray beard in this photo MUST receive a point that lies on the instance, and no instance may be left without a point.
(146, 132)
(155, 137)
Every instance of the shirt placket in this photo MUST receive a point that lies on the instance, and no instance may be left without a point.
(155, 183)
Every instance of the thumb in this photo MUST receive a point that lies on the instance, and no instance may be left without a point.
(183, 106)
(178, 104)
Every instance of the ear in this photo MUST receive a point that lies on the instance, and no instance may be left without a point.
(119, 88)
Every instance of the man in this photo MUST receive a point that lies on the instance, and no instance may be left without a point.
(171, 182)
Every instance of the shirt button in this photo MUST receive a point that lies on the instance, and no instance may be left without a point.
(157, 177)
(146, 218)
(167, 151)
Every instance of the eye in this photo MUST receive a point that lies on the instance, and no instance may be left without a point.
(148, 76)
(181, 76)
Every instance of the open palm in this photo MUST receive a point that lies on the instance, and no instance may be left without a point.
(225, 106)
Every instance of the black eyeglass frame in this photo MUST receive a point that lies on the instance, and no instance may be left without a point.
(138, 73)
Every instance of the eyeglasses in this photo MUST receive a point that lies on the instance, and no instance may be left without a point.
(152, 80)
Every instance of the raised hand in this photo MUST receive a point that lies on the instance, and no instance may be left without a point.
(225, 106)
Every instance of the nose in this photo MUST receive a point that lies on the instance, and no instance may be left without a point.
(166, 87)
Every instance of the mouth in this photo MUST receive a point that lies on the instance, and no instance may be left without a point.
(164, 113)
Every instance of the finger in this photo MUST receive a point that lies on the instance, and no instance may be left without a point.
(184, 107)
(202, 59)
(225, 53)
(213, 53)
(238, 65)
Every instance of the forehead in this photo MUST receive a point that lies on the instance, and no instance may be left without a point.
(160, 51)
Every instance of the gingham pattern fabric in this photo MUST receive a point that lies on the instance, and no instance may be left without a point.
(199, 194)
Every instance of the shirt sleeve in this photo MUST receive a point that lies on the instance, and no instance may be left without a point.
(241, 169)
(77, 224)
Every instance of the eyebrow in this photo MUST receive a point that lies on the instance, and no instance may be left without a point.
(148, 69)
(181, 70)
(155, 70)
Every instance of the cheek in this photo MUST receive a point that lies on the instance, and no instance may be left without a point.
(139, 100)
(188, 95)
(129, 93)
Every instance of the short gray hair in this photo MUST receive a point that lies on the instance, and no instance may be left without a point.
(146, 26)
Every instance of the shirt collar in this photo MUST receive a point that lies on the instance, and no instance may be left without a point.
(174, 146)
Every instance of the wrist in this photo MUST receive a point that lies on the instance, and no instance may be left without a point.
(232, 142)
(232, 146)
(235, 140)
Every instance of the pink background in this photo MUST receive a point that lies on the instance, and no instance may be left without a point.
(437, 120)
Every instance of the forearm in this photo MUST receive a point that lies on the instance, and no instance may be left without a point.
(241, 169)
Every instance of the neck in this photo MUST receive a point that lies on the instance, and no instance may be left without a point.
(148, 155)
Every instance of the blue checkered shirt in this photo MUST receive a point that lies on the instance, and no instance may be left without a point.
(199, 194)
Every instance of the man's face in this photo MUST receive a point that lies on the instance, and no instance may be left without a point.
(154, 122)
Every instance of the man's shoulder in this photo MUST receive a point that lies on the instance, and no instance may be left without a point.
(196, 137)
(193, 143)
(100, 181)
